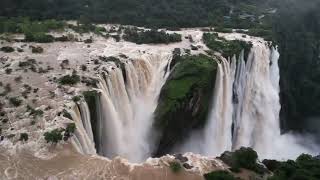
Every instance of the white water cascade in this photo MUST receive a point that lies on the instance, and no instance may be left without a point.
(83, 137)
(257, 103)
(127, 104)
(245, 109)
(217, 134)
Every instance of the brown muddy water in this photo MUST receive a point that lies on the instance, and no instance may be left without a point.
(68, 164)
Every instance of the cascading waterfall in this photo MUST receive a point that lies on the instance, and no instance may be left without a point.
(127, 106)
(245, 109)
(85, 116)
(217, 132)
(256, 115)
(82, 139)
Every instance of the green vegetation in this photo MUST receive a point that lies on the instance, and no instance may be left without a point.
(175, 166)
(58, 134)
(71, 127)
(25, 25)
(219, 175)
(8, 71)
(150, 36)
(260, 32)
(69, 79)
(225, 47)
(29, 62)
(76, 98)
(305, 167)
(223, 30)
(24, 137)
(38, 37)
(66, 114)
(7, 49)
(245, 158)
(34, 112)
(53, 136)
(174, 13)
(184, 99)
(15, 101)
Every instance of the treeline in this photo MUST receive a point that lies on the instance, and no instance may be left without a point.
(150, 36)
(153, 13)
(25, 25)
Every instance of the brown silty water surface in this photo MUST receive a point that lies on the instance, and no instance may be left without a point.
(68, 164)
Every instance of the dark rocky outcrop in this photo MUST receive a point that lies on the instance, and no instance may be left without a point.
(93, 101)
(184, 100)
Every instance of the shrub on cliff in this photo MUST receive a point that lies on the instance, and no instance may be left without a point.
(66, 114)
(7, 49)
(219, 175)
(34, 112)
(53, 136)
(15, 101)
(71, 128)
(69, 79)
(24, 137)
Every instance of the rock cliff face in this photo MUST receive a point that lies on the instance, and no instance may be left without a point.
(299, 45)
(184, 100)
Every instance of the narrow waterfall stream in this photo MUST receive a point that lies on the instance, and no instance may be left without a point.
(217, 140)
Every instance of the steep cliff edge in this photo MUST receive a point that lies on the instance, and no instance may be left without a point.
(184, 100)
(297, 33)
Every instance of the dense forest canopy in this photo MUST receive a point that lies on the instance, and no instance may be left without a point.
(157, 13)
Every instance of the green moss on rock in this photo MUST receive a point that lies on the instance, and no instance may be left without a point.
(184, 100)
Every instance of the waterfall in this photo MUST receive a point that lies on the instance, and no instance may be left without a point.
(83, 138)
(245, 108)
(127, 105)
(256, 115)
(217, 140)
(85, 116)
